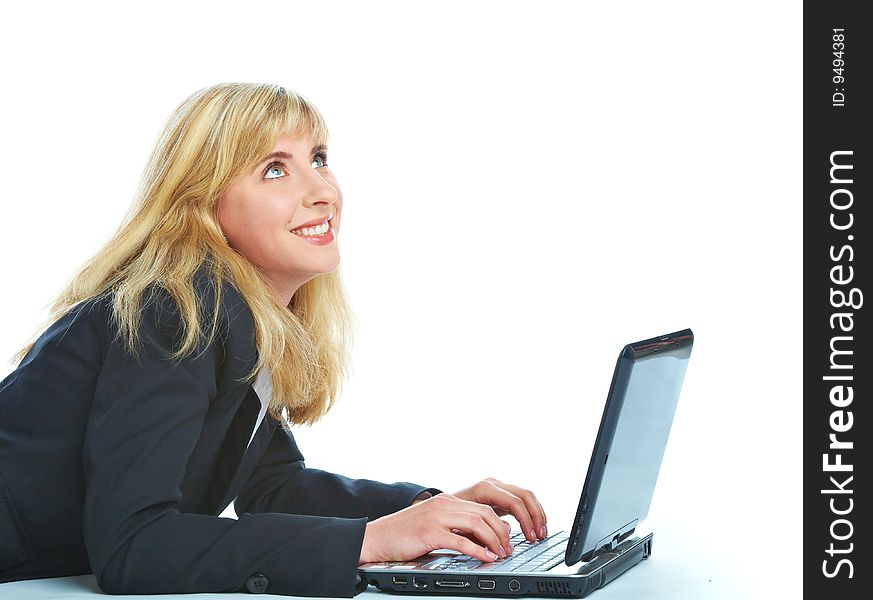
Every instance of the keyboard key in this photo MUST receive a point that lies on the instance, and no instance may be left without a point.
(539, 555)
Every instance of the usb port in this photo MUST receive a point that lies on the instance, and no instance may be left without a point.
(486, 584)
(399, 580)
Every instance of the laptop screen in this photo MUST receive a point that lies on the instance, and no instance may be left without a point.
(630, 443)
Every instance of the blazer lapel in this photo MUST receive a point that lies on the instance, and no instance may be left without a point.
(248, 457)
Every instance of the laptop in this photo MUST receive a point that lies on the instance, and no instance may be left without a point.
(615, 498)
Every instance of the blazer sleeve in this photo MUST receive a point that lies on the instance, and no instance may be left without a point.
(146, 417)
(283, 483)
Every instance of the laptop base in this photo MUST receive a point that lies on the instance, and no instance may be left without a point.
(575, 581)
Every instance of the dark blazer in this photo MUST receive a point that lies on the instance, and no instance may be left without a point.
(119, 466)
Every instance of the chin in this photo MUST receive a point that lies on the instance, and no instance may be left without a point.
(323, 268)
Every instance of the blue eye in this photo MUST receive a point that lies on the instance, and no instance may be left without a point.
(279, 166)
(276, 166)
(321, 156)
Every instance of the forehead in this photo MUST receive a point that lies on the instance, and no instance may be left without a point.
(300, 141)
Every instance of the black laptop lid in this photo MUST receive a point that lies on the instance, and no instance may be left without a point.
(630, 443)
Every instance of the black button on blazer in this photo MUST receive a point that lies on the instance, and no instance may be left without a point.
(119, 466)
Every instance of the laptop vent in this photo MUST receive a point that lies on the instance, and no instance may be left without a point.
(554, 588)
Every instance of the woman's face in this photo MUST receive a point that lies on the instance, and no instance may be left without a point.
(284, 193)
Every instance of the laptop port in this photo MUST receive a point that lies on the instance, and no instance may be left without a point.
(399, 580)
(487, 584)
(452, 583)
(514, 585)
(419, 582)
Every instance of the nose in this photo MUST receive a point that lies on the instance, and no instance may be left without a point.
(319, 191)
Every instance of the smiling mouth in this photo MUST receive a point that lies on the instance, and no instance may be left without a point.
(315, 231)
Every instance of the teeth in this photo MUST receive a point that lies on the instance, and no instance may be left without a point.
(312, 231)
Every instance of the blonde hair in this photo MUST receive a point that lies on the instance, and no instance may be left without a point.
(214, 136)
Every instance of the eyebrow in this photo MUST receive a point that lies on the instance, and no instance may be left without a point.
(288, 155)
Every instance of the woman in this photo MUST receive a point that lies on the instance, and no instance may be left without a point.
(173, 365)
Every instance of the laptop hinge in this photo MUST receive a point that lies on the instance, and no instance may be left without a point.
(615, 538)
(619, 559)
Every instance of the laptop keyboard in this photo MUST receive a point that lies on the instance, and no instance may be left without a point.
(537, 556)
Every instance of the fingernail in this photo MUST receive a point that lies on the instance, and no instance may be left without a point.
(501, 552)
(543, 531)
(511, 548)
(490, 555)
(532, 534)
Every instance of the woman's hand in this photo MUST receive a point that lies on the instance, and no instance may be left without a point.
(507, 499)
(460, 521)
(431, 525)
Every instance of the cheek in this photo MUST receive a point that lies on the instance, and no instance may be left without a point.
(243, 216)
(223, 215)
(339, 200)
(242, 221)
(338, 215)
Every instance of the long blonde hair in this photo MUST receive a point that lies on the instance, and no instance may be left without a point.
(214, 136)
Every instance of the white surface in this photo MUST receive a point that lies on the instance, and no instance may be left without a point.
(659, 144)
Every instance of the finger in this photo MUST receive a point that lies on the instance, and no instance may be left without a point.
(523, 509)
(519, 491)
(505, 524)
(487, 526)
(509, 549)
(542, 512)
(534, 509)
(497, 524)
(467, 546)
(537, 515)
(479, 525)
(475, 527)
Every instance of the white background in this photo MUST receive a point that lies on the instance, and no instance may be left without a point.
(527, 188)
